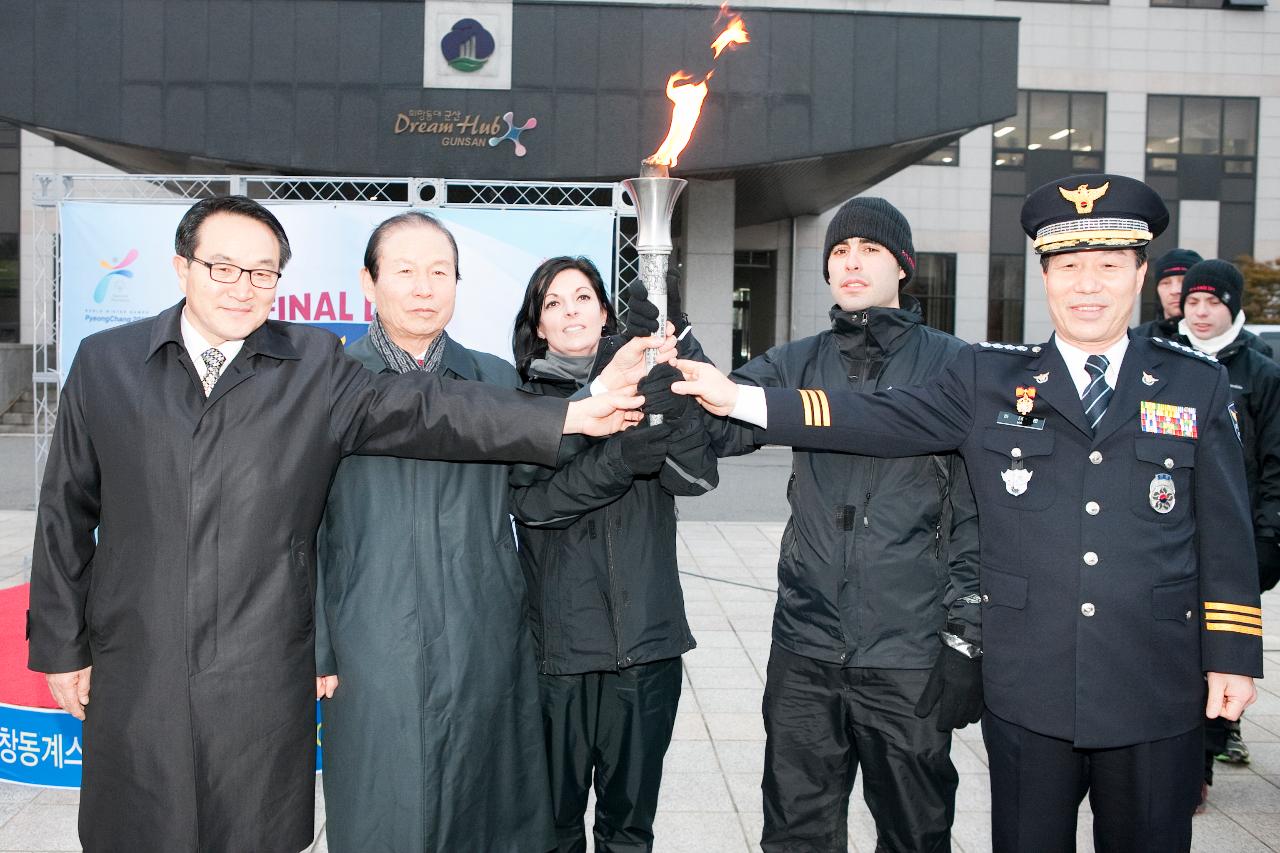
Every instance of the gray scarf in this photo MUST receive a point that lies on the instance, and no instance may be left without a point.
(575, 368)
(400, 361)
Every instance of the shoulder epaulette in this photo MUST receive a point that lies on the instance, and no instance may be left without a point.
(1018, 348)
(1184, 349)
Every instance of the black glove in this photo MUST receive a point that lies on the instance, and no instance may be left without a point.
(1268, 561)
(955, 687)
(659, 399)
(688, 436)
(642, 315)
(675, 307)
(644, 447)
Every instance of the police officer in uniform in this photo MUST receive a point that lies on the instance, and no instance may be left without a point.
(1117, 560)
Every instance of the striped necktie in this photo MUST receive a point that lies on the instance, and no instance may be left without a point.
(1098, 393)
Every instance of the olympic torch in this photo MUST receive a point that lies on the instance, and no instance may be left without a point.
(655, 192)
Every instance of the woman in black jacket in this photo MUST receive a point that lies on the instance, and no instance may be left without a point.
(598, 548)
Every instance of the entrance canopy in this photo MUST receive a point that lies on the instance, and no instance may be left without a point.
(816, 108)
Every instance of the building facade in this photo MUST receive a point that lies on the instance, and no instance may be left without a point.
(951, 109)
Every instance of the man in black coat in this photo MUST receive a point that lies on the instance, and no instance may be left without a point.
(1168, 271)
(174, 558)
(1212, 322)
(877, 577)
(1118, 567)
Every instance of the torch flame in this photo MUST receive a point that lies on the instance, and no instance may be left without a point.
(687, 97)
(735, 33)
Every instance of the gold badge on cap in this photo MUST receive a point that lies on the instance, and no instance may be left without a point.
(1025, 399)
(1083, 197)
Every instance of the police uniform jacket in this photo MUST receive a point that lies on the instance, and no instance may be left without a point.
(1123, 570)
(876, 550)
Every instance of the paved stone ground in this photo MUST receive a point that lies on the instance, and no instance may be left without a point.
(711, 797)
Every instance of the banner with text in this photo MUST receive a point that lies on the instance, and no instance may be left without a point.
(117, 264)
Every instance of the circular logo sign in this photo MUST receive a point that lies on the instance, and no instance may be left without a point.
(468, 46)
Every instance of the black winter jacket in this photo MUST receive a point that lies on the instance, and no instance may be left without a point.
(1168, 329)
(598, 549)
(877, 551)
(1255, 390)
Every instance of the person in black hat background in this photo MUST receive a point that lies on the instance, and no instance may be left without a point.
(878, 564)
(1118, 574)
(1212, 322)
(1168, 271)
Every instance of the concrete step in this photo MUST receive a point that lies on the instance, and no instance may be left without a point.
(18, 418)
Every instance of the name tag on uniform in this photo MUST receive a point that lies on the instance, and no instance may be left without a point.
(1026, 422)
(1166, 419)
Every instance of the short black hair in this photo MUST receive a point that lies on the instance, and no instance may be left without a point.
(188, 233)
(410, 217)
(1139, 253)
(525, 343)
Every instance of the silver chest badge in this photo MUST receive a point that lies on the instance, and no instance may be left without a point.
(1162, 494)
(1015, 480)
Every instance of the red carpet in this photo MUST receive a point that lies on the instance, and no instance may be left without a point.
(18, 685)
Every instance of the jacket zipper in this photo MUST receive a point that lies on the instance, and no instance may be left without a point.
(613, 604)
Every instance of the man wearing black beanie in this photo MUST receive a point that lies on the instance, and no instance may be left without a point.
(1168, 272)
(875, 655)
(1213, 322)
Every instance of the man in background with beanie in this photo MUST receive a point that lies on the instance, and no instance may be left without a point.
(1213, 323)
(875, 655)
(1118, 570)
(1168, 271)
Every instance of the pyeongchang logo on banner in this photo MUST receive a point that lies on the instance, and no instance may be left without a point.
(466, 45)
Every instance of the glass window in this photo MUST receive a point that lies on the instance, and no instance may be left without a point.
(1201, 125)
(1049, 127)
(1006, 291)
(1164, 124)
(1239, 127)
(1088, 120)
(1012, 132)
(934, 284)
(947, 155)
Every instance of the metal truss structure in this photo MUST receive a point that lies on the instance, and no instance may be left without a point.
(51, 190)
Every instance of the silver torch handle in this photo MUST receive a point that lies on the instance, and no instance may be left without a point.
(653, 274)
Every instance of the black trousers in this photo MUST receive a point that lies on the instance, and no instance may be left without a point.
(821, 722)
(615, 727)
(1142, 796)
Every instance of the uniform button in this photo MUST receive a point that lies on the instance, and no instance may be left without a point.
(1095, 457)
(1016, 453)
(1090, 558)
(1168, 463)
(1087, 608)
(1092, 507)
(985, 598)
(1188, 615)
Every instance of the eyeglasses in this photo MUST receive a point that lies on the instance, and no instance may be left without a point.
(225, 273)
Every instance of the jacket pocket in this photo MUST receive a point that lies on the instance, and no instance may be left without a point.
(1177, 601)
(303, 582)
(1020, 458)
(1005, 645)
(1161, 478)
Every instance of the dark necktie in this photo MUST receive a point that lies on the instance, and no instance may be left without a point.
(1098, 393)
(213, 361)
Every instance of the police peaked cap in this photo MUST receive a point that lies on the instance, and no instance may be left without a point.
(1093, 212)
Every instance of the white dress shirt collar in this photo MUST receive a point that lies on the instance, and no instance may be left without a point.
(1076, 357)
(196, 345)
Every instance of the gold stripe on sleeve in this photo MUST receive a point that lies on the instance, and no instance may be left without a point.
(1233, 608)
(808, 407)
(1227, 626)
(824, 408)
(1233, 617)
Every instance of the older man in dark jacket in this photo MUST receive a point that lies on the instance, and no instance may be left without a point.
(877, 579)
